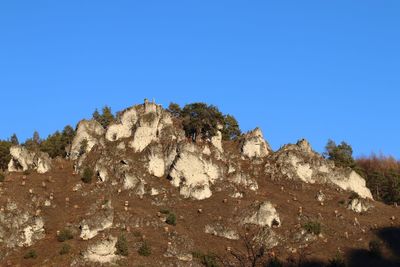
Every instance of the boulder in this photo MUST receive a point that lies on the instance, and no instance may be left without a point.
(254, 145)
(102, 252)
(264, 214)
(24, 160)
(359, 205)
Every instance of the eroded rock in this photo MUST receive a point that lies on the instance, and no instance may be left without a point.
(254, 145)
(265, 214)
(24, 160)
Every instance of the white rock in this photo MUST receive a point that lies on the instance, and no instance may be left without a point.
(221, 231)
(91, 131)
(359, 205)
(265, 215)
(123, 129)
(194, 175)
(102, 252)
(23, 160)
(254, 145)
(156, 165)
(217, 141)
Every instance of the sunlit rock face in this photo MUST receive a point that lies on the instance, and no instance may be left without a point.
(91, 131)
(254, 145)
(264, 214)
(300, 162)
(24, 160)
(193, 174)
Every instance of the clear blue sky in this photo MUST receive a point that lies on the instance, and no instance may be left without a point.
(313, 69)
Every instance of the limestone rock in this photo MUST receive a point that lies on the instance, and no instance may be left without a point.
(124, 128)
(193, 174)
(91, 131)
(264, 215)
(254, 145)
(300, 162)
(99, 220)
(18, 228)
(23, 160)
(102, 252)
(359, 205)
(221, 231)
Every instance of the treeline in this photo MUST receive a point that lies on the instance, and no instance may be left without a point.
(382, 173)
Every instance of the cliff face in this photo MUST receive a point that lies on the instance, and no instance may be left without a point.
(146, 170)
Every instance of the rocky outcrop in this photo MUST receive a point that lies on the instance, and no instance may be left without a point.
(24, 160)
(124, 128)
(151, 122)
(193, 174)
(300, 162)
(89, 132)
(254, 145)
(359, 205)
(99, 220)
(264, 214)
(19, 228)
(221, 231)
(102, 252)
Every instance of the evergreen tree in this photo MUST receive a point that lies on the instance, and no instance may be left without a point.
(14, 139)
(341, 154)
(5, 156)
(175, 110)
(106, 118)
(231, 128)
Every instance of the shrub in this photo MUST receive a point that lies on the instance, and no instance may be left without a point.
(171, 219)
(144, 250)
(31, 255)
(2, 177)
(122, 246)
(65, 249)
(208, 260)
(87, 175)
(312, 227)
(65, 235)
(375, 248)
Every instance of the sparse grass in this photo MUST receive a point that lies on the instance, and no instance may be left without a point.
(65, 235)
(87, 175)
(145, 249)
(208, 260)
(312, 227)
(31, 254)
(137, 234)
(2, 177)
(122, 246)
(171, 219)
(65, 249)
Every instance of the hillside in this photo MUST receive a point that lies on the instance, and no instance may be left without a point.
(152, 196)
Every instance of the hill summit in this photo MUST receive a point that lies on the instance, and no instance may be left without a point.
(151, 189)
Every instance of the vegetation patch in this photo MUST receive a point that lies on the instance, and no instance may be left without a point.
(87, 175)
(31, 254)
(313, 227)
(65, 235)
(122, 246)
(145, 250)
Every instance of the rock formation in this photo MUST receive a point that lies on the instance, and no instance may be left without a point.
(24, 160)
